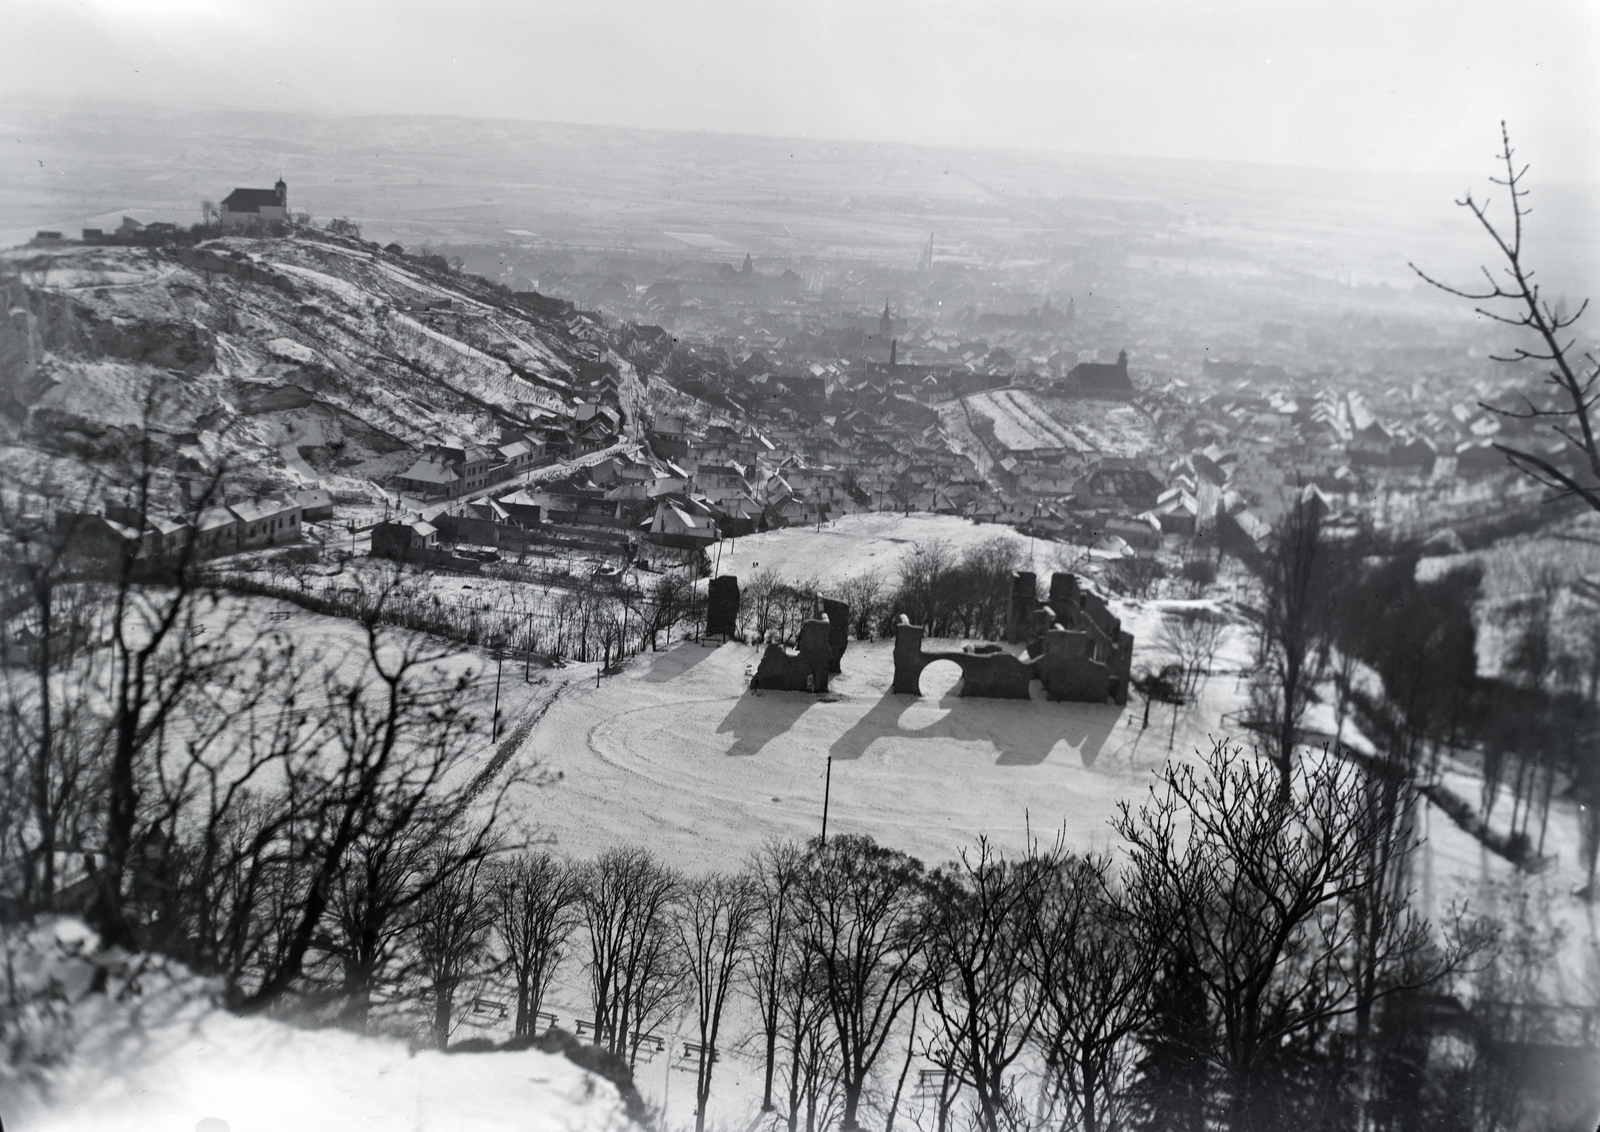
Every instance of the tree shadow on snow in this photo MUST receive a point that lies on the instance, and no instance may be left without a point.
(674, 662)
(759, 717)
(1024, 731)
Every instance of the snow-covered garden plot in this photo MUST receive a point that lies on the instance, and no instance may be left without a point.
(1108, 428)
(1020, 424)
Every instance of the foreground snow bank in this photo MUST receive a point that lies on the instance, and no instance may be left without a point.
(98, 1040)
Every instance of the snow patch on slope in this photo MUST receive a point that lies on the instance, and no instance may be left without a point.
(153, 1051)
(291, 351)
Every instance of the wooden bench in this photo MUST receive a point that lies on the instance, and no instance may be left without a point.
(646, 1046)
(543, 1021)
(489, 1006)
(650, 1042)
(930, 1081)
(587, 1029)
(692, 1051)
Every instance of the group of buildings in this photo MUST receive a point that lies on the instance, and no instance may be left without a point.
(122, 530)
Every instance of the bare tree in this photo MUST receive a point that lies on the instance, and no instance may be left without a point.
(1094, 968)
(161, 654)
(923, 592)
(1288, 653)
(1191, 637)
(452, 931)
(1264, 897)
(660, 608)
(634, 975)
(811, 1046)
(399, 734)
(715, 921)
(217, 803)
(983, 988)
(537, 898)
(55, 736)
(776, 871)
(758, 604)
(1138, 575)
(1511, 297)
(863, 593)
(862, 911)
(373, 907)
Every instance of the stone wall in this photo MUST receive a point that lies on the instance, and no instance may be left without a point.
(804, 670)
(1075, 647)
(722, 607)
(994, 675)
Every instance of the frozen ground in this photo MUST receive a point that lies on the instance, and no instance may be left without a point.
(677, 754)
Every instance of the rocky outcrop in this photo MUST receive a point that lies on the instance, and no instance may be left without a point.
(21, 351)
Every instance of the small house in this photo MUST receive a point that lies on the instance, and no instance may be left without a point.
(267, 522)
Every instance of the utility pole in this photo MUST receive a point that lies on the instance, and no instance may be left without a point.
(499, 663)
(827, 790)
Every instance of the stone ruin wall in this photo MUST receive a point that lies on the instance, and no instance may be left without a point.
(1073, 645)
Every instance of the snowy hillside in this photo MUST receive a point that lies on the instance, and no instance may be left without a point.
(153, 1052)
(308, 360)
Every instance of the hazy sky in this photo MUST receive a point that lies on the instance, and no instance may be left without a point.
(1396, 84)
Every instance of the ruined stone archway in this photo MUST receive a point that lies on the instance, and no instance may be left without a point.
(939, 678)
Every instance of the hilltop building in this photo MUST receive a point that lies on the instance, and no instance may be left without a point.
(256, 206)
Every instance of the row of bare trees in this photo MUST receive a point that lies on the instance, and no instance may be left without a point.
(1237, 969)
(584, 617)
(950, 592)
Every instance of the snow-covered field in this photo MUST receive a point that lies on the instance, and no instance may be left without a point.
(676, 754)
(855, 544)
